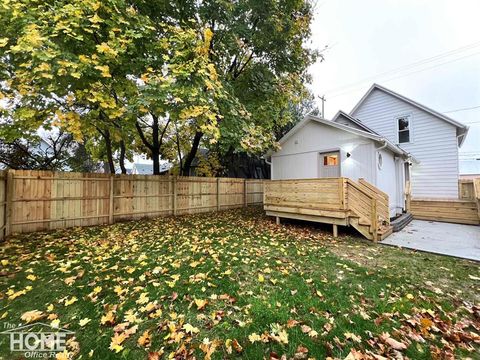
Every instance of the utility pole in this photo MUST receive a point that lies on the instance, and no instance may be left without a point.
(323, 105)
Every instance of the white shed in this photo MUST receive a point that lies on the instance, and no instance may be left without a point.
(344, 147)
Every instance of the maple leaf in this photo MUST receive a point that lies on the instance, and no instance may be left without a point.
(145, 339)
(254, 337)
(201, 303)
(190, 329)
(116, 341)
(31, 316)
(108, 318)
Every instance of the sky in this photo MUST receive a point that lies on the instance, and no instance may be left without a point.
(426, 50)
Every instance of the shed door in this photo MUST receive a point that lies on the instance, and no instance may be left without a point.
(329, 164)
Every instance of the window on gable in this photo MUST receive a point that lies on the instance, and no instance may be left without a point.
(403, 124)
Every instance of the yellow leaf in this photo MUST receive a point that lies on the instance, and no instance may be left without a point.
(108, 318)
(190, 329)
(116, 341)
(31, 316)
(254, 337)
(55, 323)
(3, 42)
(84, 322)
(410, 296)
(201, 303)
(145, 339)
(71, 301)
(31, 277)
(261, 278)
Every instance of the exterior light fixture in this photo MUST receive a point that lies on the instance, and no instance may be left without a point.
(348, 154)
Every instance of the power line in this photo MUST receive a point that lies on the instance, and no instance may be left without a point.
(408, 66)
(411, 73)
(463, 109)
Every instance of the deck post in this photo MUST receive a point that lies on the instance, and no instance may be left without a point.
(277, 220)
(335, 230)
(374, 219)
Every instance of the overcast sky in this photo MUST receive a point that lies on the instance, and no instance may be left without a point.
(369, 38)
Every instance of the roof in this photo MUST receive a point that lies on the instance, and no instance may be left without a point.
(462, 129)
(394, 148)
(354, 120)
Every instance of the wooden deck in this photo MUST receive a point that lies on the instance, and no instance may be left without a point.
(337, 201)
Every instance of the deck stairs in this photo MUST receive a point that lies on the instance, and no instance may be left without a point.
(337, 201)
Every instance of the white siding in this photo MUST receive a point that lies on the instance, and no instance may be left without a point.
(389, 177)
(433, 143)
(299, 157)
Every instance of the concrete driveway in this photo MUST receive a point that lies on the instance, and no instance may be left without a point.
(442, 238)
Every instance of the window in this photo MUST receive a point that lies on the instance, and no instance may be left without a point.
(380, 161)
(403, 124)
(330, 160)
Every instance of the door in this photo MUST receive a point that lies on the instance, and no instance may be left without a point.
(329, 165)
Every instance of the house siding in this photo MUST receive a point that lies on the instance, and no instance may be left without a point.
(299, 155)
(433, 143)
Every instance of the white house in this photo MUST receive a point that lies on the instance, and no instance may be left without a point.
(387, 139)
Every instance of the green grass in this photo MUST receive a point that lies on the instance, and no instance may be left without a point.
(293, 287)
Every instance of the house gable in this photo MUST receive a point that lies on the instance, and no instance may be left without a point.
(433, 140)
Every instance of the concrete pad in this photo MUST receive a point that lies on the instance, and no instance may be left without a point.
(462, 241)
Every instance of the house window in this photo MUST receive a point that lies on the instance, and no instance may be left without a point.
(330, 160)
(403, 125)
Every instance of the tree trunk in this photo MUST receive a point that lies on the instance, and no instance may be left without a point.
(122, 157)
(108, 146)
(155, 150)
(191, 155)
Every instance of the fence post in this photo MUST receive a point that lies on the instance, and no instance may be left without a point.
(174, 195)
(10, 187)
(111, 208)
(245, 204)
(218, 194)
(408, 196)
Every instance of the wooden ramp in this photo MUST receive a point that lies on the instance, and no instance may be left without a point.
(337, 201)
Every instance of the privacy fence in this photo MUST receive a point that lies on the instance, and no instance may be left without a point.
(43, 200)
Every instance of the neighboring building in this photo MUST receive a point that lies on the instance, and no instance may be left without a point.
(146, 168)
(387, 139)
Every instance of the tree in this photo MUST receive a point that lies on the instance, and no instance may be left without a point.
(146, 75)
(258, 49)
(98, 70)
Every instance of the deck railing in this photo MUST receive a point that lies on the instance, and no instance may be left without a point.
(335, 200)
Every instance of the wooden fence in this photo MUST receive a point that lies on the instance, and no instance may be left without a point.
(466, 189)
(464, 210)
(43, 200)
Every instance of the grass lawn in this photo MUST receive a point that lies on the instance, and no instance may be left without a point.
(234, 284)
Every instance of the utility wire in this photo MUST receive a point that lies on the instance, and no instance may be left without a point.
(463, 109)
(408, 66)
(411, 73)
